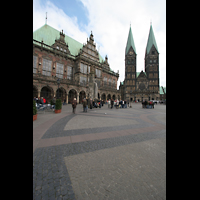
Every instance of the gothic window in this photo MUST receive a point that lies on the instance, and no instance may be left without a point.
(59, 70)
(150, 61)
(153, 52)
(132, 61)
(46, 69)
(69, 72)
(128, 75)
(34, 64)
(154, 61)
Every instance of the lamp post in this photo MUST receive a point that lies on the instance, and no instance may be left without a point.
(58, 82)
(130, 98)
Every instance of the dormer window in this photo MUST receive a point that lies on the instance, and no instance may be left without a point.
(57, 47)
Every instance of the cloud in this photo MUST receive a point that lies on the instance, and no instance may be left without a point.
(110, 23)
(57, 19)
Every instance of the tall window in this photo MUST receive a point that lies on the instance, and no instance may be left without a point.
(59, 70)
(113, 82)
(69, 72)
(83, 80)
(83, 68)
(34, 64)
(46, 69)
(105, 81)
(109, 81)
(98, 73)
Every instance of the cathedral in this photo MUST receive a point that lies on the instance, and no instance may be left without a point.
(144, 85)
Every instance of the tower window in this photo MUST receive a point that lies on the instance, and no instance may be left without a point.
(153, 52)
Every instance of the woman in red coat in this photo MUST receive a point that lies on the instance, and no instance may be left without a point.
(44, 100)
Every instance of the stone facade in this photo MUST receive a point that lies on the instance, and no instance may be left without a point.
(139, 86)
(57, 72)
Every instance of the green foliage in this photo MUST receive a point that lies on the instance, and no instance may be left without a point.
(58, 105)
(34, 108)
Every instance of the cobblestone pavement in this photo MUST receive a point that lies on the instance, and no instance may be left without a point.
(102, 154)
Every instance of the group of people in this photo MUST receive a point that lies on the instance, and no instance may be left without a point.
(118, 104)
(39, 100)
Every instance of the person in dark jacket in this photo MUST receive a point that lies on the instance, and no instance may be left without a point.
(74, 103)
(112, 103)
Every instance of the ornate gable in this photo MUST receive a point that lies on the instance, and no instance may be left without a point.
(60, 44)
(89, 49)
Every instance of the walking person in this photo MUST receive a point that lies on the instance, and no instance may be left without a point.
(84, 105)
(122, 103)
(90, 103)
(74, 103)
(112, 102)
(53, 103)
(117, 104)
(109, 103)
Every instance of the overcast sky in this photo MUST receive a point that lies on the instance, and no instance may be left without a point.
(109, 21)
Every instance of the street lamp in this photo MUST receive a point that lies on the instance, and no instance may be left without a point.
(58, 82)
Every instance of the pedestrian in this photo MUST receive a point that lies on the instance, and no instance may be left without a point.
(112, 102)
(44, 100)
(74, 103)
(117, 104)
(109, 103)
(90, 103)
(53, 102)
(84, 105)
(122, 103)
(41, 101)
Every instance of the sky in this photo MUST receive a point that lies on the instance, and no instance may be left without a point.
(109, 21)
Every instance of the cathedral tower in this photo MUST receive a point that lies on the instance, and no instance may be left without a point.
(130, 66)
(152, 64)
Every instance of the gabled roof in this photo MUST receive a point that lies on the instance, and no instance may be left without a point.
(130, 42)
(151, 41)
(138, 73)
(49, 34)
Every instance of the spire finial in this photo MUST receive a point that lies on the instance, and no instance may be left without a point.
(150, 22)
(46, 18)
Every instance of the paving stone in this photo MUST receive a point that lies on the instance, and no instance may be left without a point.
(111, 168)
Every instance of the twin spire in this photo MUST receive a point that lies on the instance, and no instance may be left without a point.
(150, 42)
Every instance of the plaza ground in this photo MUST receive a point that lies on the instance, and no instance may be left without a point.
(102, 154)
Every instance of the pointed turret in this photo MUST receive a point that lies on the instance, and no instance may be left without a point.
(130, 42)
(151, 41)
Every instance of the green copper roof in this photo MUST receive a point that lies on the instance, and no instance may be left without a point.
(161, 91)
(151, 41)
(130, 42)
(48, 34)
